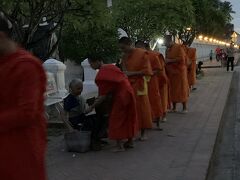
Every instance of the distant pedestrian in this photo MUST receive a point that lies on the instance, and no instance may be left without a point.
(218, 53)
(22, 120)
(211, 55)
(230, 57)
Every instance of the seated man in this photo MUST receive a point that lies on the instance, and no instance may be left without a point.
(75, 105)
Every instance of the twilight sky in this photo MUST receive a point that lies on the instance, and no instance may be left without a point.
(236, 16)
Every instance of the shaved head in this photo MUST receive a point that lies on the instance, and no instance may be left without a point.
(4, 25)
(125, 45)
(7, 45)
(125, 41)
(75, 82)
(140, 44)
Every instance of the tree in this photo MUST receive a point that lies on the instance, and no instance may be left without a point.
(212, 16)
(136, 18)
(25, 17)
(92, 35)
(147, 19)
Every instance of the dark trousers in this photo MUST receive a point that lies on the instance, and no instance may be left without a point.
(230, 61)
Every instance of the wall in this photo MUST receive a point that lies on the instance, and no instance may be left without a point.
(203, 49)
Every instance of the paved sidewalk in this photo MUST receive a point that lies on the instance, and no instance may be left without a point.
(226, 159)
(181, 152)
(211, 64)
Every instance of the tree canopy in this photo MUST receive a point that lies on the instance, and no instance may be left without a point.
(89, 28)
(95, 35)
(26, 16)
(146, 19)
(212, 16)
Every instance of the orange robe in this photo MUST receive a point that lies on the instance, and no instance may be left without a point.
(153, 87)
(164, 85)
(192, 55)
(138, 60)
(177, 73)
(123, 116)
(22, 122)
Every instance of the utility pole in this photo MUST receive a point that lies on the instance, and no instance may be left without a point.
(109, 3)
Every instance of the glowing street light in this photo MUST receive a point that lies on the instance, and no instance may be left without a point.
(200, 37)
(160, 41)
(206, 38)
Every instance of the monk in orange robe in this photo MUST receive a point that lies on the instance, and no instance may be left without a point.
(137, 67)
(192, 55)
(123, 117)
(163, 84)
(176, 65)
(153, 85)
(22, 120)
(164, 88)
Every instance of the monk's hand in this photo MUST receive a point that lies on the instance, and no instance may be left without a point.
(170, 61)
(167, 61)
(137, 73)
(89, 109)
(127, 73)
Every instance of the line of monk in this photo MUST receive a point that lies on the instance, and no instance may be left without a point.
(144, 88)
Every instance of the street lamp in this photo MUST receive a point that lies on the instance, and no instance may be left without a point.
(234, 37)
(160, 41)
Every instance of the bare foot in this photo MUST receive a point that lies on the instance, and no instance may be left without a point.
(184, 111)
(164, 120)
(143, 138)
(173, 111)
(128, 145)
(118, 149)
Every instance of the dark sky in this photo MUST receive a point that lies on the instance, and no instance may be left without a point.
(236, 16)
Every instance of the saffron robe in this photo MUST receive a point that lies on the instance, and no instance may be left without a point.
(22, 120)
(123, 116)
(153, 87)
(192, 55)
(138, 60)
(164, 87)
(177, 74)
